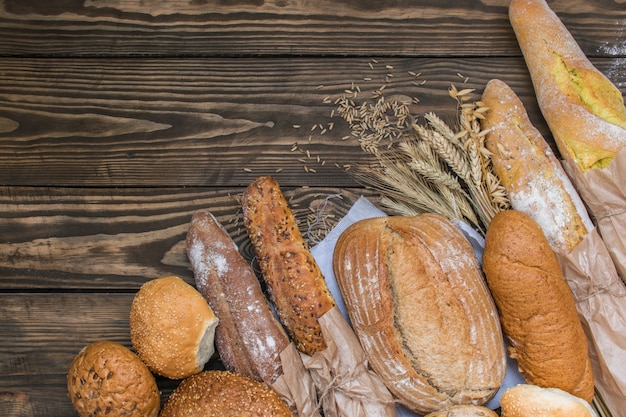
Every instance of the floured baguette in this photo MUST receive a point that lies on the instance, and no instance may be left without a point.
(295, 283)
(530, 400)
(529, 171)
(418, 302)
(583, 109)
(537, 309)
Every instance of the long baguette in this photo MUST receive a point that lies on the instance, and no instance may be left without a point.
(295, 283)
(583, 109)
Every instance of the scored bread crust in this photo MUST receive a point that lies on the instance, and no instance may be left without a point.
(294, 280)
(249, 337)
(575, 98)
(530, 400)
(530, 172)
(419, 305)
(537, 308)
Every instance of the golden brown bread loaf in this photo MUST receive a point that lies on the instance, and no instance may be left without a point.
(528, 169)
(295, 283)
(419, 305)
(107, 378)
(249, 338)
(223, 394)
(537, 309)
(583, 109)
(531, 400)
(463, 411)
(172, 327)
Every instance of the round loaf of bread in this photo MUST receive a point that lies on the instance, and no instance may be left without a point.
(172, 327)
(107, 378)
(464, 411)
(530, 400)
(419, 305)
(222, 394)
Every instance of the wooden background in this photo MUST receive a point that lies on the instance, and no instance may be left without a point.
(120, 118)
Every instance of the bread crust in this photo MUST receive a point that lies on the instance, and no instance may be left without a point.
(295, 282)
(583, 109)
(530, 172)
(536, 306)
(249, 338)
(419, 305)
(463, 411)
(530, 400)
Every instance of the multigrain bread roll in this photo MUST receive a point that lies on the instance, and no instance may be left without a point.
(249, 338)
(418, 302)
(531, 400)
(530, 172)
(583, 109)
(295, 283)
(463, 411)
(536, 306)
(223, 394)
(172, 327)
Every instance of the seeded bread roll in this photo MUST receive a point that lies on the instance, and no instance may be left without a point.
(222, 394)
(531, 400)
(419, 305)
(249, 338)
(537, 309)
(583, 109)
(295, 283)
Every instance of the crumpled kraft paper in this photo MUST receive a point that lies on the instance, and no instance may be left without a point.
(323, 254)
(601, 303)
(295, 385)
(604, 193)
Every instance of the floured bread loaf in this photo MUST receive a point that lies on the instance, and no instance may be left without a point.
(421, 309)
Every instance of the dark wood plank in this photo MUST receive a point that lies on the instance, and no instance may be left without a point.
(249, 27)
(101, 240)
(205, 122)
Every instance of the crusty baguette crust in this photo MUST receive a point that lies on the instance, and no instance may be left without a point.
(418, 302)
(294, 280)
(530, 400)
(249, 338)
(537, 308)
(583, 109)
(528, 169)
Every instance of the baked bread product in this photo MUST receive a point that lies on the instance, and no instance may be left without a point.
(530, 172)
(223, 394)
(107, 377)
(294, 281)
(420, 307)
(249, 338)
(463, 411)
(537, 309)
(172, 328)
(530, 400)
(584, 110)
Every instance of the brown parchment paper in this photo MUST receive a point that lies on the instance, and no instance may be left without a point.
(604, 193)
(346, 386)
(295, 385)
(601, 302)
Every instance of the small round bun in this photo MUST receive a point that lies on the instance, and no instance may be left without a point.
(106, 378)
(172, 328)
(531, 400)
(224, 393)
(464, 411)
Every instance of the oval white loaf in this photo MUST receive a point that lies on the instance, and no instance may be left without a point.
(419, 305)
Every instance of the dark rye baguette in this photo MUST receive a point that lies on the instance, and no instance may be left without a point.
(536, 306)
(418, 303)
(249, 338)
(295, 283)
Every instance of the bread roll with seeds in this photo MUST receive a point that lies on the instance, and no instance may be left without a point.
(530, 400)
(294, 281)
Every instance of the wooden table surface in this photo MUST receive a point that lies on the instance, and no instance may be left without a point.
(119, 119)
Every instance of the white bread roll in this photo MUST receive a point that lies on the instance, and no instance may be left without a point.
(172, 327)
(532, 401)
